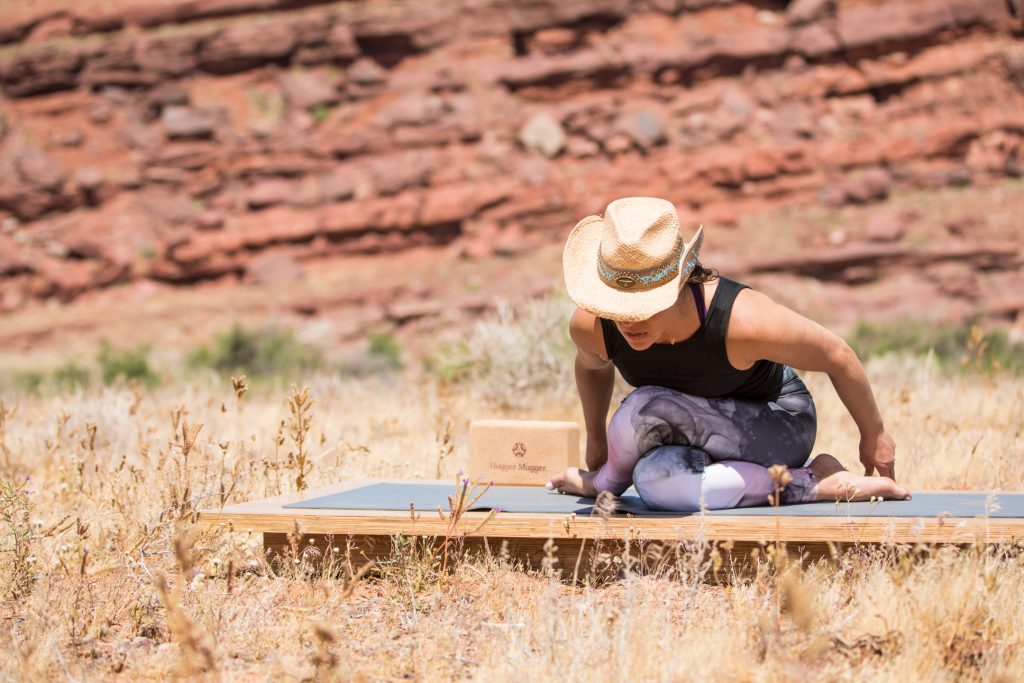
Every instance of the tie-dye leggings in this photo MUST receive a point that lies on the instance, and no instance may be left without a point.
(680, 451)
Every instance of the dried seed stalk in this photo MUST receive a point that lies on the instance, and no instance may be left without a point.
(300, 405)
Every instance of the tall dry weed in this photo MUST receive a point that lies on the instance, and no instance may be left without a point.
(198, 651)
(5, 416)
(300, 406)
(16, 544)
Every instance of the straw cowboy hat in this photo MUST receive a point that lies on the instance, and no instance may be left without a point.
(630, 263)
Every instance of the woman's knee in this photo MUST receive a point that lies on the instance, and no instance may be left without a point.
(644, 406)
(622, 426)
(671, 478)
(635, 401)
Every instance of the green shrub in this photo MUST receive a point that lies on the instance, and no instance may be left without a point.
(996, 351)
(126, 364)
(451, 361)
(382, 356)
(67, 377)
(383, 345)
(958, 345)
(29, 381)
(256, 353)
(71, 376)
(320, 113)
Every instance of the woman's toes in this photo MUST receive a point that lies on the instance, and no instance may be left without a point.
(846, 486)
(896, 492)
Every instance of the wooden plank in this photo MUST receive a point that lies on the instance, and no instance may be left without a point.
(268, 516)
(567, 558)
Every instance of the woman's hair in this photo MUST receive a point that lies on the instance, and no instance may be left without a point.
(701, 274)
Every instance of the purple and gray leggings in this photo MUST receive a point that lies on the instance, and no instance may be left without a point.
(680, 451)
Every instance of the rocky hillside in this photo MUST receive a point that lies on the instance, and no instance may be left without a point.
(185, 141)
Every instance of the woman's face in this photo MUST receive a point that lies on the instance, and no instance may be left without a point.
(641, 335)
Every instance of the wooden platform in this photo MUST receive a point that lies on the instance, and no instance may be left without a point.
(535, 538)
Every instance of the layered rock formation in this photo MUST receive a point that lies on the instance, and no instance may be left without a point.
(188, 140)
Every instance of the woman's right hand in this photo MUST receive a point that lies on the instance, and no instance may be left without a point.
(879, 453)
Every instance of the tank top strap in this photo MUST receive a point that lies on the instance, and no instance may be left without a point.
(698, 300)
(720, 310)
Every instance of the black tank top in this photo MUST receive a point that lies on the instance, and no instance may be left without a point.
(698, 365)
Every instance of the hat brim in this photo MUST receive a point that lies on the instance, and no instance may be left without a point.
(588, 291)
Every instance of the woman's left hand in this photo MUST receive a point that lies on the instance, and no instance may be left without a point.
(574, 481)
(879, 453)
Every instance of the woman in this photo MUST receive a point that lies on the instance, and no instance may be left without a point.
(717, 402)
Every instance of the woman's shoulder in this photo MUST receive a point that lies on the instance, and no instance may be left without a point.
(726, 292)
(587, 333)
(756, 317)
(585, 329)
(744, 301)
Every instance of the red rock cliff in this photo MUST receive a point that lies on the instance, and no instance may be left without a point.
(176, 141)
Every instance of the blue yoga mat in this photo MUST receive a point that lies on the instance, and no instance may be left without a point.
(428, 497)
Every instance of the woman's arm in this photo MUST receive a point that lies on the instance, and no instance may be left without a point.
(760, 328)
(595, 378)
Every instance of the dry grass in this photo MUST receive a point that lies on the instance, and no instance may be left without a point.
(104, 577)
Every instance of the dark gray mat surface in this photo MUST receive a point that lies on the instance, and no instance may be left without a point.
(428, 497)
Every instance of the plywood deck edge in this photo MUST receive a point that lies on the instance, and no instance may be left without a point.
(268, 516)
(520, 525)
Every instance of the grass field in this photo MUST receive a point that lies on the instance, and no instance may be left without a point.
(105, 578)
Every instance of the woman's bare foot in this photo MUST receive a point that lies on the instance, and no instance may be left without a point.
(574, 481)
(836, 483)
